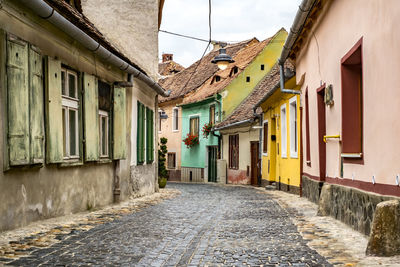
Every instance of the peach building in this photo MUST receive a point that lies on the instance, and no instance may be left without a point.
(346, 55)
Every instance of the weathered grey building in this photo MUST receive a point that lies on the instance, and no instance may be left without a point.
(77, 106)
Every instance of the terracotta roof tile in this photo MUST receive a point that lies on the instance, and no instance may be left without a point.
(169, 68)
(194, 76)
(245, 110)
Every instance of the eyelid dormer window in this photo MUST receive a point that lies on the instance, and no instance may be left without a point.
(216, 79)
(234, 71)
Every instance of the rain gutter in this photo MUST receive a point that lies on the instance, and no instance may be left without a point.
(239, 123)
(297, 26)
(45, 11)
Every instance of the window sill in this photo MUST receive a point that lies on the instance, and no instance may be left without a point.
(265, 154)
(70, 163)
(294, 156)
(175, 131)
(104, 160)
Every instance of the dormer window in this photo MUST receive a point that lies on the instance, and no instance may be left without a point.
(234, 71)
(216, 79)
(75, 4)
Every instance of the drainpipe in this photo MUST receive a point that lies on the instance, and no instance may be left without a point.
(216, 135)
(43, 10)
(259, 116)
(297, 26)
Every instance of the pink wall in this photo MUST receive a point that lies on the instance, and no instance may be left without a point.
(336, 32)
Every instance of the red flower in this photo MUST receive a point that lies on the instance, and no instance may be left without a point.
(207, 129)
(191, 140)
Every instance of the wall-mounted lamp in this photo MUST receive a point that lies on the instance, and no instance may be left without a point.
(222, 59)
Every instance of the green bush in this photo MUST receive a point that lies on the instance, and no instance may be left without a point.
(162, 182)
(162, 152)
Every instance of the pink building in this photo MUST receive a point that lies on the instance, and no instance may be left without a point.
(347, 62)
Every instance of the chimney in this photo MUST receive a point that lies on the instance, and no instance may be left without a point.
(167, 57)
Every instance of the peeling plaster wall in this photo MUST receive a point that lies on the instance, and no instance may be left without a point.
(31, 194)
(131, 25)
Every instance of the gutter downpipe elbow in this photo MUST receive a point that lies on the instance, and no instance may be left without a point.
(282, 82)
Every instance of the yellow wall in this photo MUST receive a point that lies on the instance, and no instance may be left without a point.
(239, 89)
(288, 168)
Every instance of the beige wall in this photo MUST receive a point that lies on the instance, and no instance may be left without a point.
(342, 26)
(31, 194)
(174, 137)
(246, 135)
(131, 25)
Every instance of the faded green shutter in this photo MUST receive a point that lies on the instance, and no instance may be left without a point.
(139, 133)
(119, 124)
(18, 101)
(36, 106)
(148, 135)
(54, 125)
(91, 117)
(151, 136)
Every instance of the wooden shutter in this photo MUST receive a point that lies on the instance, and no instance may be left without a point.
(148, 135)
(36, 106)
(91, 117)
(236, 151)
(18, 101)
(150, 122)
(119, 123)
(265, 144)
(54, 126)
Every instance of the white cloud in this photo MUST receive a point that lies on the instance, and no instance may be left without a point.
(233, 20)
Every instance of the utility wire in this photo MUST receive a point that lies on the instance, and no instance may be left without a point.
(185, 36)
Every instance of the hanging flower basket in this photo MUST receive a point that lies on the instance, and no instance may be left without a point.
(191, 140)
(207, 129)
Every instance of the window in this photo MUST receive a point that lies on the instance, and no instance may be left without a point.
(265, 137)
(308, 149)
(352, 102)
(283, 131)
(175, 118)
(293, 127)
(171, 160)
(234, 71)
(217, 78)
(212, 114)
(70, 107)
(248, 79)
(145, 134)
(104, 114)
(234, 151)
(262, 66)
(140, 133)
(149, 135)
(194, 126)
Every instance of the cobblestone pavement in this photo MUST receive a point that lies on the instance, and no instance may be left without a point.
(207, 225)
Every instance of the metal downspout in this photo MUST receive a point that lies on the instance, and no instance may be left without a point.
(46, 12)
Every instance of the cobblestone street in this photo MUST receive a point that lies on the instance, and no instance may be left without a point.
(206, 225)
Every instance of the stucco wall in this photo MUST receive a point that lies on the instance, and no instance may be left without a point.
(31, 194)
(286, 168)
(234, 93)
(246, 135)
(174, 136)
(196, 156)
(131, 25)
(348, 21)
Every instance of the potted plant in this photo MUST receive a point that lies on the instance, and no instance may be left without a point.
(191, 140)
(207, 129)
(162, 170)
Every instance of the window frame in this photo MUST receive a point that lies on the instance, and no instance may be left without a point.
(191, 117)
(175, 119)
(104, 114)
(211, 118)
(70, 103)
(265, 138)
(168, 165)
(308, 145)
(283, 131)
(293, 131)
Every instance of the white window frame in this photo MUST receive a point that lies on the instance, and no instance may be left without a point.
(70, 103)
(264, 154)
(104, 114)
(192, 116)
(175, 120)
(283, 131)
(293, 123)
(174, 167)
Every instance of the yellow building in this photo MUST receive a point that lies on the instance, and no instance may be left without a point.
(281, 155)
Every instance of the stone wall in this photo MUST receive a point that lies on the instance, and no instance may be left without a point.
(352, 206)
(143, 181)
(311, 189)
(288, 188)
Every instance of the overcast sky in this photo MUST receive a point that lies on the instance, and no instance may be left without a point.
(231, 21)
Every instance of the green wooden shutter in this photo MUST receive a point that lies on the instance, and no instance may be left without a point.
(18, 101)
(36, 106)
(139, 138)
(119, 123)
(91, 117)
(54, 125)
(143, 132)
(151, 136)
(148, 137)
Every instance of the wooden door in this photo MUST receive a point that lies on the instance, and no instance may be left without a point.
(254, 152)
(212, 164)
(321, 132)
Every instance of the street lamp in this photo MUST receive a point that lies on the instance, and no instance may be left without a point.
(222, 59)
